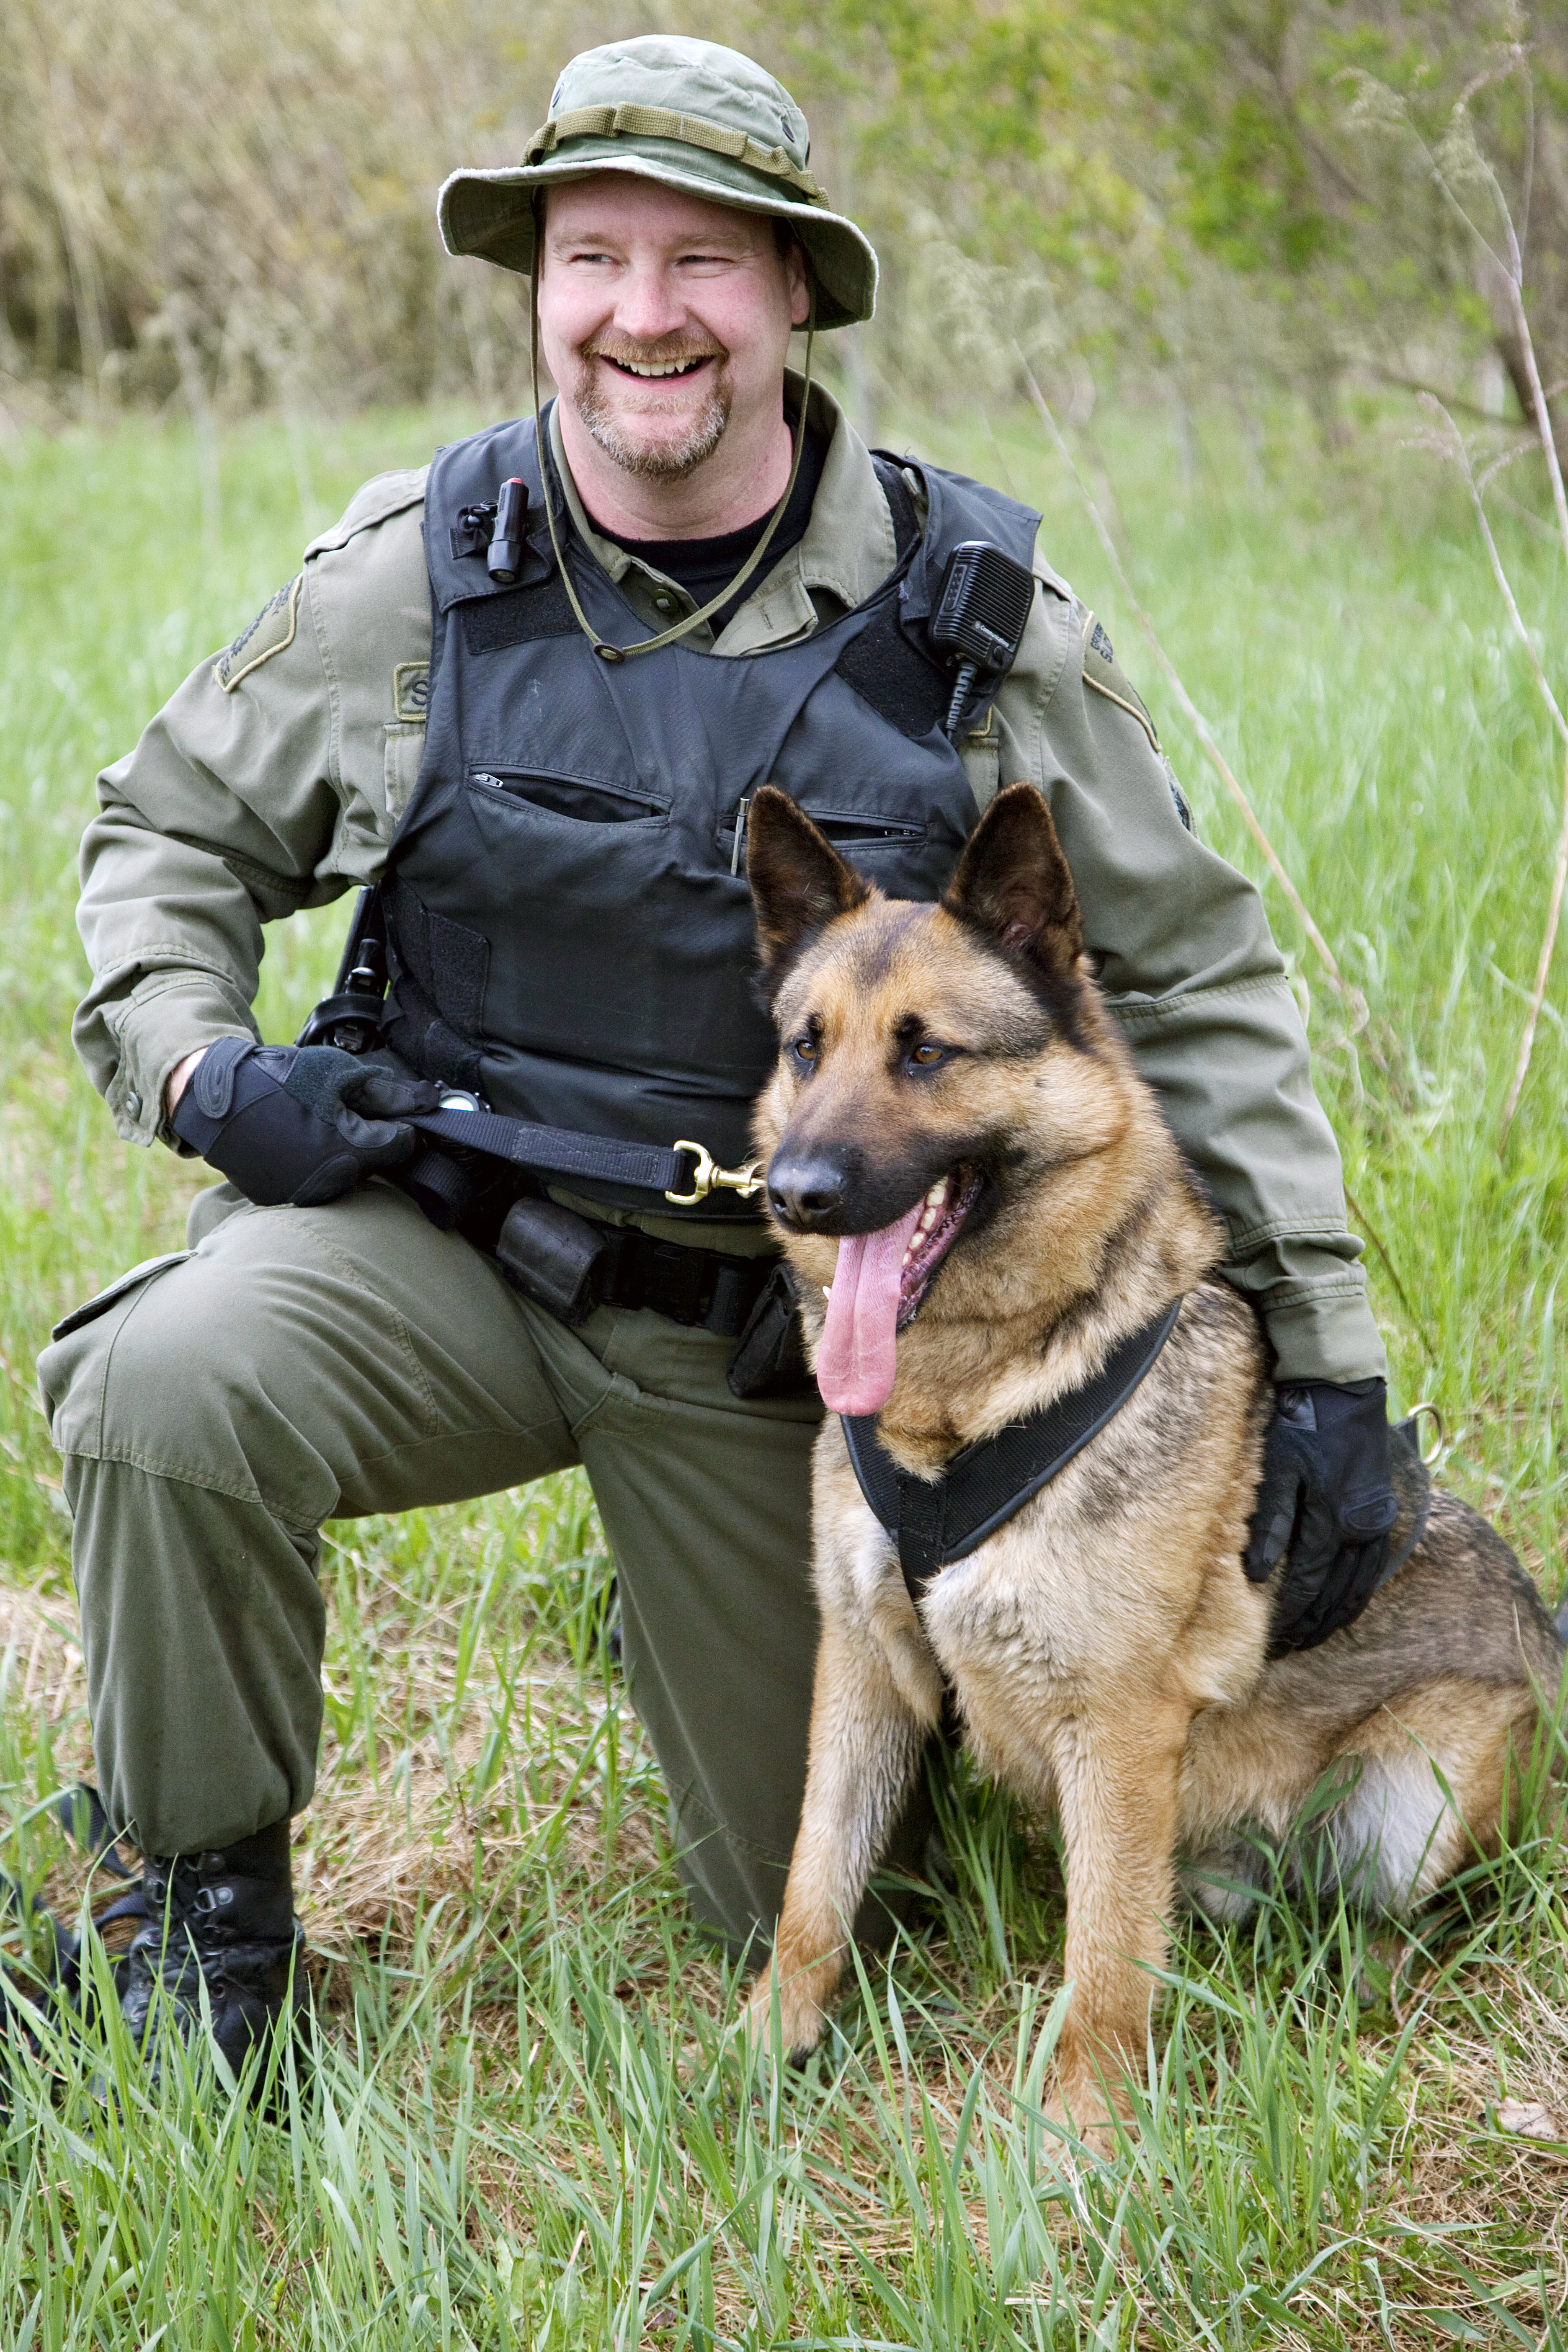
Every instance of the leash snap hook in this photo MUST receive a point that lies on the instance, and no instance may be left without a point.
(706, 1176)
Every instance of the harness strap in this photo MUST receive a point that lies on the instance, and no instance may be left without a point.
(936, 1520)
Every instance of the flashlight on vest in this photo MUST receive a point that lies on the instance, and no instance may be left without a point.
(980, 618)
(504, 560)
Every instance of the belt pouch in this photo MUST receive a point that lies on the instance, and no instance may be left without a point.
(770, 1356)
(551, 1257)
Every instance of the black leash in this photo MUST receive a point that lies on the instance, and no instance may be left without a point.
(350, 1019)
(557, 1150)
(934, 1522)
(564, 1151)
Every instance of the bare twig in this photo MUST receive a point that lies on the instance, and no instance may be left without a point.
(1460, 455)
(1543, 414)
(1521, 513)
(1349, 995)
(1513, 275)
(1399, 382)
(1542, 969)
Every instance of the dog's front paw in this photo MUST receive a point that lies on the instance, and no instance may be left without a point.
(1082, 2112)
(801, 2018)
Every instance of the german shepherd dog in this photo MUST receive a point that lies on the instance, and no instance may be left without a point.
(962, 1159)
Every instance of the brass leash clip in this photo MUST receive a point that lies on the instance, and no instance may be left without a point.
(709, 1177)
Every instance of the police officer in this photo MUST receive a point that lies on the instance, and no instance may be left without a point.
(547, 772)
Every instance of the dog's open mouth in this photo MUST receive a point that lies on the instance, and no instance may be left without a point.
(943, 1211)
(877, 1286)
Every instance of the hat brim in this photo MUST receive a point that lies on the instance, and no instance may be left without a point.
(490, 213)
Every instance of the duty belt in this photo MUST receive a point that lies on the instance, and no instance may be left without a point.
(709, 1287)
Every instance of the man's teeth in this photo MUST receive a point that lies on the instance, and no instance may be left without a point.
(670, 367)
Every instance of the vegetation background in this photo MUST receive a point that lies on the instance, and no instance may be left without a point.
(1211, 228)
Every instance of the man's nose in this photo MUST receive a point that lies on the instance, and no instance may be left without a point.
(648, 305)
(809, 1187)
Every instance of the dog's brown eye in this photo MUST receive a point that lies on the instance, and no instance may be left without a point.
(926, 1056)
(806, 1048)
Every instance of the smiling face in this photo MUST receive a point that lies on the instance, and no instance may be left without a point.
(665, 322)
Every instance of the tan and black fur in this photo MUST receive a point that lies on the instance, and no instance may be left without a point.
(1106, 1651)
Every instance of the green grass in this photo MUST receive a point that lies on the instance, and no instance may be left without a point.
(530, 2125)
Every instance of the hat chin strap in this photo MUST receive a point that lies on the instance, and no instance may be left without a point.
(606, 651)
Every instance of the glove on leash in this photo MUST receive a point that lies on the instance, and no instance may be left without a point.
(1326, 1497)
(298, 1123)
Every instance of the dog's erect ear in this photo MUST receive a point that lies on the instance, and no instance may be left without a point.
(799, 882)
(1013, 884)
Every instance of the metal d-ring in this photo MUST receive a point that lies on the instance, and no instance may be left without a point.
(1434, 1451)
(706, 1177)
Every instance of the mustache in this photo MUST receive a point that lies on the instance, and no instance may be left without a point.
(660, 351)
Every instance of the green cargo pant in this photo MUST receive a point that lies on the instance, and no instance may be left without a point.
(306, 1364)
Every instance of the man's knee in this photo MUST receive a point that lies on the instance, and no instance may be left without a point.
(211, 1371)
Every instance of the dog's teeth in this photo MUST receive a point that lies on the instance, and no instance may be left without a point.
(937, 1194)
(828, 1290)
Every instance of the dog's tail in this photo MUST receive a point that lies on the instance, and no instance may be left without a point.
(1560, 1622)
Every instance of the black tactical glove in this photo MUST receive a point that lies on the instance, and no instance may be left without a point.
(298, 1123)
(1327, 1496)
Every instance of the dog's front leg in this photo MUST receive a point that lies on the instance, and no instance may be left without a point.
(1116, 1781)
(866, 1745)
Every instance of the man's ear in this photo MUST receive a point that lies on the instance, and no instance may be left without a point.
(1013, 884)
(799, 882)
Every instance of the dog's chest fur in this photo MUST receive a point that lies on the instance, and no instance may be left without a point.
(1092, 1586)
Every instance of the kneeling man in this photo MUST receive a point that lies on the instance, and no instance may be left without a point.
(540, 749)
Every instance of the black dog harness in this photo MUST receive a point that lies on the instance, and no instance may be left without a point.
(933, 1521)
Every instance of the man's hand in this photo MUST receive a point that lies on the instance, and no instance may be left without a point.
(1326, 1496)
(297, 1123)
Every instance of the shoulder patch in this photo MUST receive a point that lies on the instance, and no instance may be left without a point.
(385, 495)
(272, 629)
(1101, 672)
(411, 691)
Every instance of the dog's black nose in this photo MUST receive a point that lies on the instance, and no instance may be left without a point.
(808, 1189)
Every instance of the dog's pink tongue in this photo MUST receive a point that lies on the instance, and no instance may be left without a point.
(858, 1355)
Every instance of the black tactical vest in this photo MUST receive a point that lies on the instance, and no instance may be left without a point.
(571, 930)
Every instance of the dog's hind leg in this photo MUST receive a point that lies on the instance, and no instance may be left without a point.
(1429, 1796)
(1225, 1880)
(865, 1746)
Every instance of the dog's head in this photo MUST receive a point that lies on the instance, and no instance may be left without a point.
(936, 1062)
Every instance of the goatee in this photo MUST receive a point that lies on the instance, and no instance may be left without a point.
(660, 460)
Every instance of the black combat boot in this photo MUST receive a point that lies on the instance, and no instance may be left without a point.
(225, 1919)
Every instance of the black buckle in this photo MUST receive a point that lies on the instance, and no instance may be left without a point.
(690, 1286)
(472, 531)
(675, 1281)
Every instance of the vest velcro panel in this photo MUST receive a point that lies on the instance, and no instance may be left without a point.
(519, 618)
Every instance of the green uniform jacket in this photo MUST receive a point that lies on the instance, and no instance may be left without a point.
(273, 780)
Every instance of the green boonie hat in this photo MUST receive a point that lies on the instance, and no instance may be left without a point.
(692, 115)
